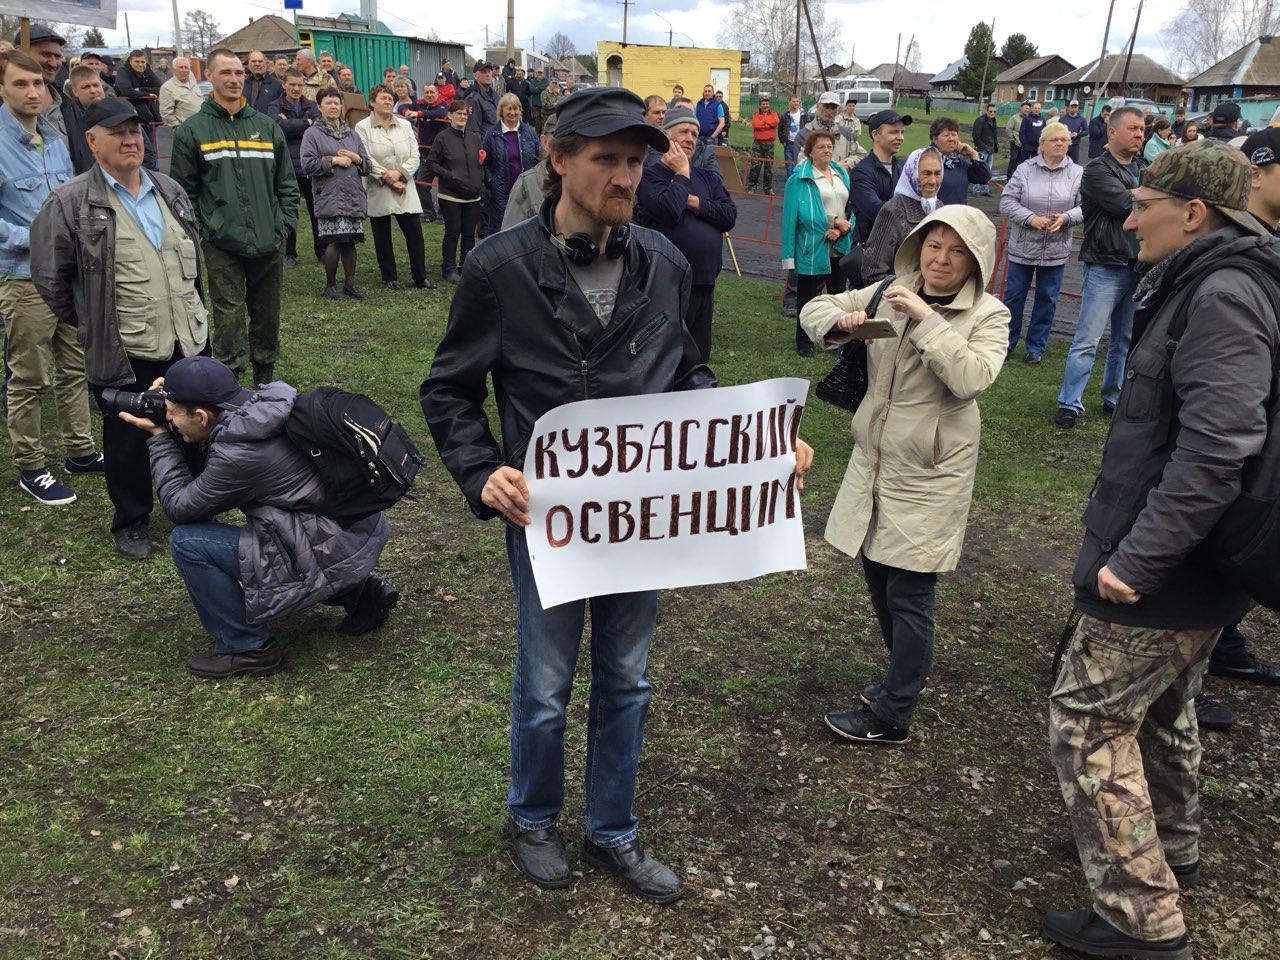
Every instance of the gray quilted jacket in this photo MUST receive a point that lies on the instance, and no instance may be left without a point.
(1036, 190)
(290, 558)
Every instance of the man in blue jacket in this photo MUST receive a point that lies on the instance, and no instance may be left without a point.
(1076, 124)
(710, 112)
(1098, 132)
(690, 207)
(38, 349)
(872, 180)
(1029, 133)
(295, 114)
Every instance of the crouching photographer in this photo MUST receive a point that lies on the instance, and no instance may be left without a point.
(288, 556)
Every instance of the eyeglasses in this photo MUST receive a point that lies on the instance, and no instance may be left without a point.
(1262, 157)
(1140, 206)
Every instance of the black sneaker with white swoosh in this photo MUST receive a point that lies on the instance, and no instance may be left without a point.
(863, 726)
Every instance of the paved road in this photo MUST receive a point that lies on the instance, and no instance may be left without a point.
(760, 218)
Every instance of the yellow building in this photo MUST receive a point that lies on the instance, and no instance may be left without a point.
(645, 69)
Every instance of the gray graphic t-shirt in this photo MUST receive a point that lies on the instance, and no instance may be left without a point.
(599, 284)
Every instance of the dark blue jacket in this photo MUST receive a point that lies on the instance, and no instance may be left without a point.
(294, 119)
(1030, 135)
(958, 172)
(870, 187)
(494, 145)
(708, 113)
(1076, 125)
(1097, 137)
(660, 204)
(430, 120)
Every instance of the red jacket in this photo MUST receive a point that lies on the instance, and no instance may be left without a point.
(764, 126)
(446, 92)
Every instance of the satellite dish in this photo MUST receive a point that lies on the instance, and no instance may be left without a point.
(1021, 89)
(1088, 89)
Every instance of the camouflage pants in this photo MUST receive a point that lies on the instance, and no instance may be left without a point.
(1122, 729)
(758, 170)
(238, 285)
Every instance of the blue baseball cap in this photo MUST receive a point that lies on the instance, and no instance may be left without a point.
(204, 381)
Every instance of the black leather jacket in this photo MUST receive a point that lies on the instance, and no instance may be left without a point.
(1106, 202)
(518, 316)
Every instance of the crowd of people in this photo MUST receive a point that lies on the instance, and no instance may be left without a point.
(611, 214)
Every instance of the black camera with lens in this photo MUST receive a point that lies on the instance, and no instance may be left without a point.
(149, 404)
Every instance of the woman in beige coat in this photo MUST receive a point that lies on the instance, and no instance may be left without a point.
(392, 146)
(904, 501)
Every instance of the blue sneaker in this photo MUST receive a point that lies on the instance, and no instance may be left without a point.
(90, 463)
(42, 485)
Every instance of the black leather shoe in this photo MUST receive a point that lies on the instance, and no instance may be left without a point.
(426, 284)
(263, 373)
(540, 856)
(644, 876)
(393, 285)
(1246, 667)
(1108, 409)
(1211, 715)
(352, 291)
(377, 598)
(212, 665)
(132, 542)
(1085, 932)
(1188, 875)
(1065, 418)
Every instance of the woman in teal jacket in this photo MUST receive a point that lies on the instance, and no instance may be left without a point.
(816, 229)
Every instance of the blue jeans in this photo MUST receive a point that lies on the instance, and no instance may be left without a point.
(207, 556)
(1048, 283)
(789, 155)
(983, 189)
(1107, 297)
(547, 652)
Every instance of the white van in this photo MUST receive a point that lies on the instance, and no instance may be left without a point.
(868, 101)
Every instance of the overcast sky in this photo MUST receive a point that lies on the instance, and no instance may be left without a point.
(1072, 29)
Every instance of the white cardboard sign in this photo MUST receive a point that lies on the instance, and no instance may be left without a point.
(88, 13)
(665, 490)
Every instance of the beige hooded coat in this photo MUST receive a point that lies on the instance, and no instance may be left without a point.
(904, 500)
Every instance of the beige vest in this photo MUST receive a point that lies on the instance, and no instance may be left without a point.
(157, 306)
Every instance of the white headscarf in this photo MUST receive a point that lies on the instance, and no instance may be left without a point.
(909, 182)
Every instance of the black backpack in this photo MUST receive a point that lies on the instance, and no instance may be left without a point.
(366, 460)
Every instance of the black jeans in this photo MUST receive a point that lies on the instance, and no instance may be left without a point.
(124, 450)
(701, 307)
(460, 222)
(422, 181)
(291, 244)
(809, 286)
(411, 227)
(903, 601)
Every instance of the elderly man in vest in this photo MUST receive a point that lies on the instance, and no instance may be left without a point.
(139, 315)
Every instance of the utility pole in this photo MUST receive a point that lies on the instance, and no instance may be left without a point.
(982, 90)
(177, 31)
(893, 87)
(626, 8)
(1124, 77)
(1106, 35)
(511, 29)
(817, 54)
(127, 39)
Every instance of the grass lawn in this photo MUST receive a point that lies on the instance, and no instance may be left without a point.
(351, 806)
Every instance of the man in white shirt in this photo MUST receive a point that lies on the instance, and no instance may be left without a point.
(788, 132)
(180, 95)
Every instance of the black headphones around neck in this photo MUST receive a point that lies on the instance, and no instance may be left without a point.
(581, 250)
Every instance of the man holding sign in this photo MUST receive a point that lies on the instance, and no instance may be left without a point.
(571, 305)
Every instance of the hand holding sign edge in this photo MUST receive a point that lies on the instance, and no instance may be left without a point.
(506, 492)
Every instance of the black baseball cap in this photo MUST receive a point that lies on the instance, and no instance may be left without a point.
(1226, 112)
(887, 116)
(90, 55)
(204, 381)
(481, 65)
(1262, 148)
(600, 111)
(110, 112)
(39, 34)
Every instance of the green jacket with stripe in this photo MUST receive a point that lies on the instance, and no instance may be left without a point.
(237, 171)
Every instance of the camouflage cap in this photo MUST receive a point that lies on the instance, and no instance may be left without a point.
(1210, 171)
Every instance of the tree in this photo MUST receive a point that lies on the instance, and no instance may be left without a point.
(767, 29)
(589, 61)
(559, 46)
(1018, 48)
(977, 49)
(202, 32)
(911, 62)
(93, 38)
(1206, 31)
